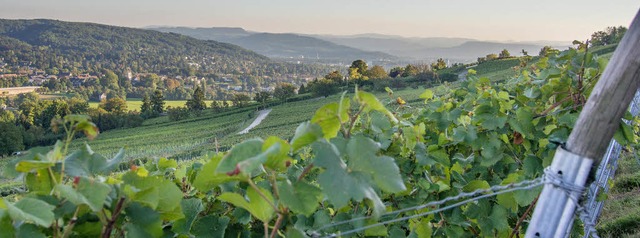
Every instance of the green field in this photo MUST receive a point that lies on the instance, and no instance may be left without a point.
(134, 104)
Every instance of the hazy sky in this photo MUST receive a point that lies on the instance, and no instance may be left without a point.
(481, 19)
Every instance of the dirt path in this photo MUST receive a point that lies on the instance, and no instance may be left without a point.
(261, 116)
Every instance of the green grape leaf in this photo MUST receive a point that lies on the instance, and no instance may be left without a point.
(256, 205)
(522, 123)
(330, 120)
(300, 197)
(29, 231)
(338, 183)
(371, 103)
(31, 210)
(145, 221)
(88, 192)
(86, 163)
(427, 94)
(243, 158)
(6, 226)
(26, 166)
(191, 208)
(439, 155)
(293, 232)
(276, 159)
(376, 230)
(88, 128)
(207, 178)
(362, 157)
(532, 92)
(210, 226)
(40, 182)
(498, 218)
(507, 201)
(169, 195)
(475, 185)
(421, 228)
(306, 134)
(532, 166)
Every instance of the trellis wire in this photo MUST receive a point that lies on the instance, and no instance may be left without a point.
(549, 177)
(495, 190)
(498, 189)
(606, 171)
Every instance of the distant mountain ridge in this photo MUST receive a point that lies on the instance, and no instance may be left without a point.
(430, 48)
(280, 45)
(360, 46)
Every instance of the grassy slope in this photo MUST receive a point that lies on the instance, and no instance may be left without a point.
(621, 214)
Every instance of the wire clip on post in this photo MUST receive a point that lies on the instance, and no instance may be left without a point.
(554, 213)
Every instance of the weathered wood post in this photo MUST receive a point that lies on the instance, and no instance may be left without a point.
(588, 141)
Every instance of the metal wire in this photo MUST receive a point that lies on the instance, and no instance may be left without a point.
(574, 192)
(528, 185)
(495, 188)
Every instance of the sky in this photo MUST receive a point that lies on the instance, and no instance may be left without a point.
(496, 20)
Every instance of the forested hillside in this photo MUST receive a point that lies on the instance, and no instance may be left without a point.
(88, 47)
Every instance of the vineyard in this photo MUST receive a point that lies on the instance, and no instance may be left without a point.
(363, 165)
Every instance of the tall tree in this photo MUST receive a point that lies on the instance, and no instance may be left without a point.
(410, 70)
(196, 103)
(504, 54)
(302, 89)
(377, 72)
(284, 91)
(439, 64)
(611, 35)
(145, 108)
(334, 76)
(358, 70)
(114, 105)
(157, 102)
(395, 72)
(11, 139)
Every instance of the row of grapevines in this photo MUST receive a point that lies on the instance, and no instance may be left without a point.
(353, 159)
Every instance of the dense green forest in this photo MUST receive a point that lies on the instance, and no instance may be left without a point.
(88, 47)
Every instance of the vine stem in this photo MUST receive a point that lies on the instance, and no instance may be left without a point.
(72, 223)
(305, 171)
(515, 228)
(544, 113)
(70, 135)
(266, 229)
(353, 121)
(278, 222)
(253, 185)
(274, 185)
(106, 232)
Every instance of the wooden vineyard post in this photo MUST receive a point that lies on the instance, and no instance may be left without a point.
(594, 129)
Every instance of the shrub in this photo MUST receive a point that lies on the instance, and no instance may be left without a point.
(178, 113)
